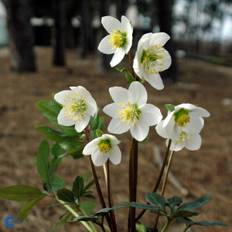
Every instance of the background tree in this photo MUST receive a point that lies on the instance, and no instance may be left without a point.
(165, 20)
(21, 35)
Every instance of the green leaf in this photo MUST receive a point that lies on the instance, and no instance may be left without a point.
(42, 161)
(87, 218)
(185, 213)
(169, 107)
(155, 199)
(20, 193)
(107, 210)
(190, 222)
(140, 228)
(127, 75)
(143, 206)
(25, 210)
(87, 207)
(57, 150)
(69, 131)
(198, 203)
(78, 187)
(50, 133)
(174, 201)
(49, 109)
(56, 183)
(66, 195)
(53, 165)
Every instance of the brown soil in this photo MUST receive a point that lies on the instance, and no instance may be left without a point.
(207, 170)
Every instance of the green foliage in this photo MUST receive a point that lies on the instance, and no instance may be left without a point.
(96, 125)
(169, 107)
(28, 195)
(127, 75)
(49, 109)
(47, 167)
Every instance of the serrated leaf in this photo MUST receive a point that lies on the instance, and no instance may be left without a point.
(56, 183)
(169, 107)
(87, 207)
(78, 187)
(49, 109)
(27, 207)
(50, 133)
(57, 150)
(198, 203)
(66, 195)
(20, 193)
(185, 213)
(42, 161)
(190, 222)
(174, 201)
(155, 199)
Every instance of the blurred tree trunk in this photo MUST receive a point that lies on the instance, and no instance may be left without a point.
(105, 59)
(21, 35)
(122, 6)
(165, 19)
(59, 13)
(86, 42)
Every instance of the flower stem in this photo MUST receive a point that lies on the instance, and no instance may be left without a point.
(157, 184)
(164, 229)
(106, 169)
(165, 182)
(99, 192)
(75, 214)
(133, 173)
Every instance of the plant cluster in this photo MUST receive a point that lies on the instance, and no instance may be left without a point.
(76, 129)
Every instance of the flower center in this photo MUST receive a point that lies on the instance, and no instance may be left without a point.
(105, 145)
(118, 39)
(182, 137)
(150, 57)
(76, 109)
(182, 117)
(130, 113)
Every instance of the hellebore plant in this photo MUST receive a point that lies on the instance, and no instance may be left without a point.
(76, 129)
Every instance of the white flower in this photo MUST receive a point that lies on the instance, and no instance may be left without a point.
(130, 111)
(183, 126)
(103, 148)
(78, 107)
(119, 40)
(151, 58)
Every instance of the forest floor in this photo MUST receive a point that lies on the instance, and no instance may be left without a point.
(203, 171)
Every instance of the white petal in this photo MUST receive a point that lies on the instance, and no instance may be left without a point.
(113, 138)
(154, 80)
(90, 147)
(119, 94)
(151, 114)
(195, 125)
(63, 120)
(166, 61)
(137, 93)
(92, 105)
(198, 111)
(176, 146)
(160, 39)
(116, 126)
(194, 143)
(139, 131)
(111, 110)
(105, 46)
(144, 40)
(117, 57)
(161, 131)
(62, 96)
(82, 124)
(111, 24)
(99, 159)
(126, 25)
(115, 155)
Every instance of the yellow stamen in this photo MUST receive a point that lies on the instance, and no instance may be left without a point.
(130, 113)
(105, 145)
(118, 39)
(182, 117)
